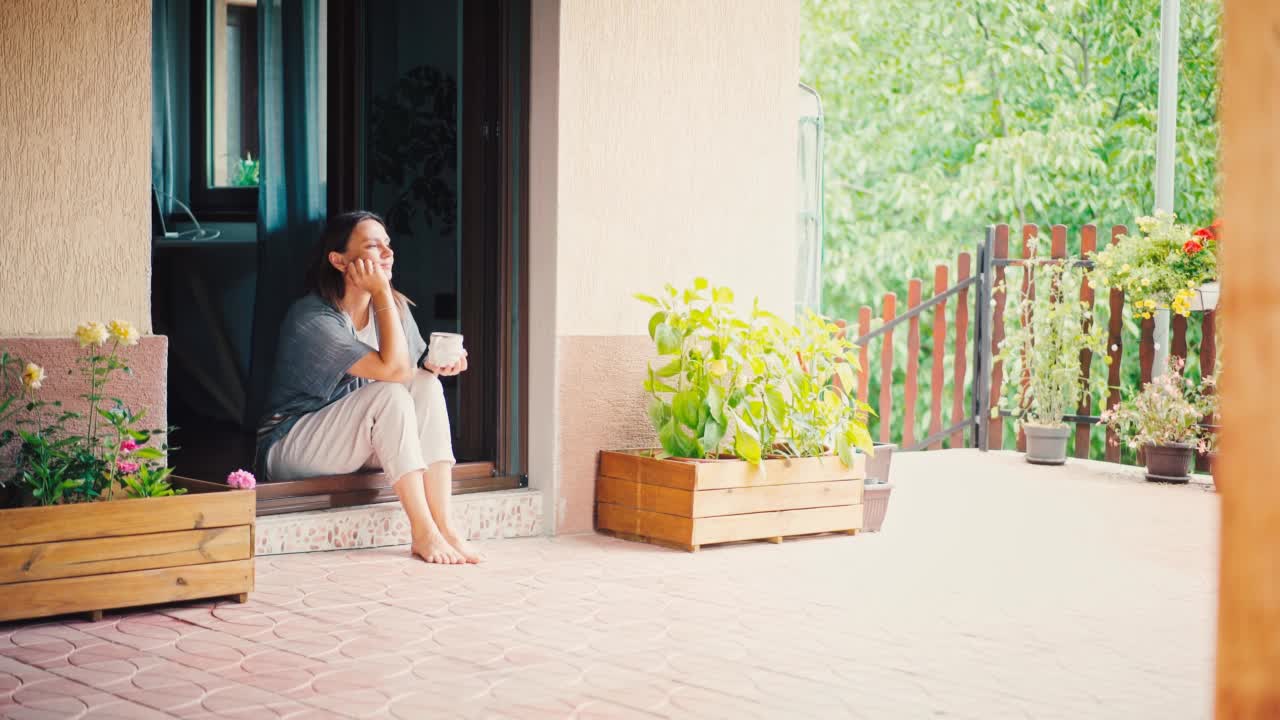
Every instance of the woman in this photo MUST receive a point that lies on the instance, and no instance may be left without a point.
(351, 388)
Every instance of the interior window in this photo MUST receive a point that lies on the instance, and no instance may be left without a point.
(232, 91)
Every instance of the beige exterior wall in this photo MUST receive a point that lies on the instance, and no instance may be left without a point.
(75, 138)
(677, 156)
(662, 141)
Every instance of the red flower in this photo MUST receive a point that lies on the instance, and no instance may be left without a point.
(1191, 247)
(1206, 234)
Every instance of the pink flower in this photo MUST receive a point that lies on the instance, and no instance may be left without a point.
(127, 468)
(242, 480)
(128, 446)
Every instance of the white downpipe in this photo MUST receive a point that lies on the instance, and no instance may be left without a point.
(1166, 145)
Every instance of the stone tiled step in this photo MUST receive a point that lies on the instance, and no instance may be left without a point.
(483, 516)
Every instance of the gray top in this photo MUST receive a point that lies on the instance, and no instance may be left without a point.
(317, 346)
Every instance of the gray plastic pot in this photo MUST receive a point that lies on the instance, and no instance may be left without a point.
(1046, 445)
(878, 465)
(1169, 463)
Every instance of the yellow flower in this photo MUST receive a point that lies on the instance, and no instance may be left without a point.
(91, 333)
(718, 367)
(1191, 283)
(1146, 282)
(1108, 359)
(123, 332)
(1124, 268)
(32, 376)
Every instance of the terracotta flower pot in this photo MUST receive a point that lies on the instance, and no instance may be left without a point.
(1046, 445)
(1169, 463)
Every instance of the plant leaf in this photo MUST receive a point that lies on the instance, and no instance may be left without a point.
(668, 339)
(685, 407)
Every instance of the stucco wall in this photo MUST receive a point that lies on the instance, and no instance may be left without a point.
(677, 156)
(662, 144)
(75, 138)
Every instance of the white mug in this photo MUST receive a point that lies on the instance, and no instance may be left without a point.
(444, 349)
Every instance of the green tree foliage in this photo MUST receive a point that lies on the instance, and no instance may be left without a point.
(943, 116)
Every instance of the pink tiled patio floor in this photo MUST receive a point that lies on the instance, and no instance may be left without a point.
(997, 590)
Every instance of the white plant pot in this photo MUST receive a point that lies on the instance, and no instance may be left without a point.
(1206, 297)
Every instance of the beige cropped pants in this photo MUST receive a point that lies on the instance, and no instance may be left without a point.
(397, 427)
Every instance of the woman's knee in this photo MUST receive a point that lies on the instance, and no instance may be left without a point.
(425, 385)
(389, 397)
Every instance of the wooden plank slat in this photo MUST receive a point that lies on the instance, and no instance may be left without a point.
(1029, 235)
(75, 558)
(1178, 343)
(645, 497)
(958, 404)
(43, 598)
(1088, 243)
(350, 482)
(683, 474)
(1208, 343)
(1208, 363)
(995, 434)
(911, 387)
(1147, 349)
(1058, 242)
(1115, 350)
(937, 379)
(721, 474)
(25, 526)
(640, 466)
(864, 354)
(738, 501)
(889, 311)
(645, 523)
(1248, 541)
(755, 526)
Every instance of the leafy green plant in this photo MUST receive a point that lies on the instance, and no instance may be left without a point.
(247, 171)
(149, 482)
(1044, 347)
(751, 387)
(1161, 266)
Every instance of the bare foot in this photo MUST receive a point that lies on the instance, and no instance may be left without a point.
(436, 549)
(467, 550)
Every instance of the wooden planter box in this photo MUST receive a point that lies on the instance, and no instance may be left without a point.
(690, 503)
(121, 553)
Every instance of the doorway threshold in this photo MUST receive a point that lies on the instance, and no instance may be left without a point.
(490, 515)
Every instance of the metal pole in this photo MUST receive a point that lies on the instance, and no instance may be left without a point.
(982, 343)
(1166, 144)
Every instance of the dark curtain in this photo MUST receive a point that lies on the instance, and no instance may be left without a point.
(291, 192)
(170, 100)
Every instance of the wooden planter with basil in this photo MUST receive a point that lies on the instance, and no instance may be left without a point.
(90, 557)
(690, 503)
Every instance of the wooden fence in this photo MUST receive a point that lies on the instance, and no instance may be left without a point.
(973, 333)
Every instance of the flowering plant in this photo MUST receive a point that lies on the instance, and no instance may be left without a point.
(1044, 345)
(1162, 265)
(242, 480)
(56, 465)
(1167, 411)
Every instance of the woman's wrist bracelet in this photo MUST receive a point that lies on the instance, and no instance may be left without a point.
(382, 309)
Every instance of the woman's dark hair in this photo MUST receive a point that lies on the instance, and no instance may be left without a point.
(322, 277)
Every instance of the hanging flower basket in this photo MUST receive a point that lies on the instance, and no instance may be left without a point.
(1206, 297)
